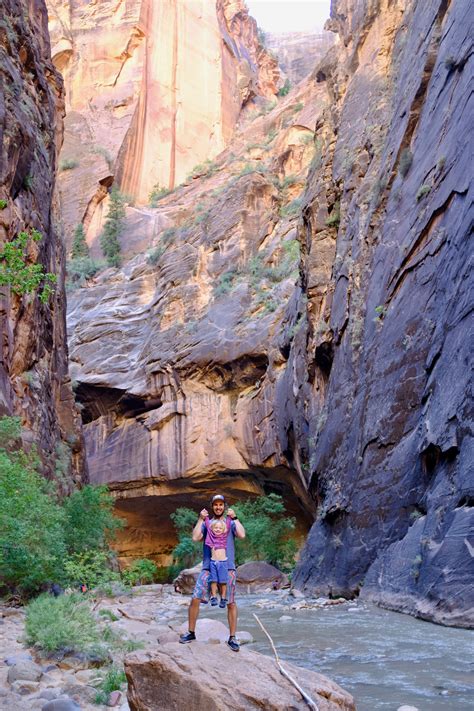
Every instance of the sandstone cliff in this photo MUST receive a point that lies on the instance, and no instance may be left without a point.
(34, 381)
(211, 363)
(152, 90)
(298, 52)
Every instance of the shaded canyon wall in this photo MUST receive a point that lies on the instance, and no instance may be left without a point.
(34, 380)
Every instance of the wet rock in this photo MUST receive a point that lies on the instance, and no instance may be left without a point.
(257, 576)
(294, 592)
(24, 670)
(285, 618)
(206, 676)
(407, 708)
(245, 637)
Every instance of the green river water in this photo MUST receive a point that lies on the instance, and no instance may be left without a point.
(384, 659)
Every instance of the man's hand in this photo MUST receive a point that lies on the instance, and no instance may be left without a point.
(204, 514)
(231, 513)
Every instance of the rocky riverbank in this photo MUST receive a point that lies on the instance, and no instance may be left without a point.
(150, 616)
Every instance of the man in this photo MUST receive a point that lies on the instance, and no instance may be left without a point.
(201, 589)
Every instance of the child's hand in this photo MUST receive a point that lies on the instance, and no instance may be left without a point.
(204, 514)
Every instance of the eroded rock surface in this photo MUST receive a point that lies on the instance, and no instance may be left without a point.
(152, 89)
(34, 381)
(209, 676)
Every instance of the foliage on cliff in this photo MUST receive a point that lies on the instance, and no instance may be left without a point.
(18, 273)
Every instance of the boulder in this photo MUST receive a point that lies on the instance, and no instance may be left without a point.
(61, 705)
(212, 677)
(186, 580)
(208, 630)
(258, 575)
(24, 670)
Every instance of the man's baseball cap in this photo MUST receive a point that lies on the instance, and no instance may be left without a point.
(217, 497)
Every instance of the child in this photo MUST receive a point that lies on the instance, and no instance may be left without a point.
(217, 530)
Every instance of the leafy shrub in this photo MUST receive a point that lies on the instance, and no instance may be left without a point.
(80, 269)
(3, 204)
(187, 552)
(65, 622)
(292, 209)
(155, 255)
(31, 526)
(141, 571)
(226, 283)
(335, 217)
(109, 239)
(113, 680)
(80, 247)
(44, 539)
(267, 531)
(267, 534)
(21, 277)
(406, 159)
(156, 194)
(285, 89)
(423, 190)
(68, 164)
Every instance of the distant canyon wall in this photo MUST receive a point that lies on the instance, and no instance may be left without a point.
(152, 90)
(34, 380)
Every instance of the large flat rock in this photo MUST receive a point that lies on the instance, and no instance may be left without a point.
(199, 676)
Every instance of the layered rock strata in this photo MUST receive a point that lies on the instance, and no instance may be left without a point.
(389, 415)
(298, 52)
(152, 90)
(178, 357)
(34, 381)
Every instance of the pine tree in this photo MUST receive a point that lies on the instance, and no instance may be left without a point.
(113, 225)
(79, 244)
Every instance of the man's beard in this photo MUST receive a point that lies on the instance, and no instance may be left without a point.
(216, 515)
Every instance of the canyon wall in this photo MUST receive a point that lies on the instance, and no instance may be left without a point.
(34, 381)
(387, 351)
(152, 90)
(298, 52)
(209, 361)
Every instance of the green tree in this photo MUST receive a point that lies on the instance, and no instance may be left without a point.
(268, 530)
(90, 523)
(141, 571)
(284, 90)
(79, 244)
(109, 239)
(187, 552)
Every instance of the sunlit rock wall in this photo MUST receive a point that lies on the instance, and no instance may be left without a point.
(152, 90)
(34, 381)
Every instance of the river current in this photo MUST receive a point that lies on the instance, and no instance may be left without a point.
(384, 659)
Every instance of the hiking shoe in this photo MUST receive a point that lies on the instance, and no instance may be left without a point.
(233, 644)
(213, 601)
(187, 637)
(223, 602)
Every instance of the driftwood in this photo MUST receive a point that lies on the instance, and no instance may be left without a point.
(312, 704)
(131, 617)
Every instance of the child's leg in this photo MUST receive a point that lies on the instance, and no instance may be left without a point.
(223, 590)
(213, 588)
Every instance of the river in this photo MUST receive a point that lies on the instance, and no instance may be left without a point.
(384, 659)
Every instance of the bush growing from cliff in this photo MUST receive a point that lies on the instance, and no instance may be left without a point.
(109, 239)
(81, 269)
(285, 89)
(18, 274)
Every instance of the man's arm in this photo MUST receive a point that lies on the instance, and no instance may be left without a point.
(197, 530)
(239, 529)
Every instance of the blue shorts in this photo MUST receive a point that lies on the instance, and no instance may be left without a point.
(202, 591)
(219, 572)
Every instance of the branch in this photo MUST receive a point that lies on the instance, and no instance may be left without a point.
(312, 704)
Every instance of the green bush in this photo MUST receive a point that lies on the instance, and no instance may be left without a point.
(113, 680)
(32, 544)
(267, 534)
(68, 164)
(109, 239)
(141, 571)
(44, 539)
(157, 194)
(155, 255)
(81, 269)
(267, 531)
(225, 283)
(65, 622)
(187, 552)
(3, 204)
(21, 277)
(292, 209)
(80, 247)
(285, 89)
(406, 159)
